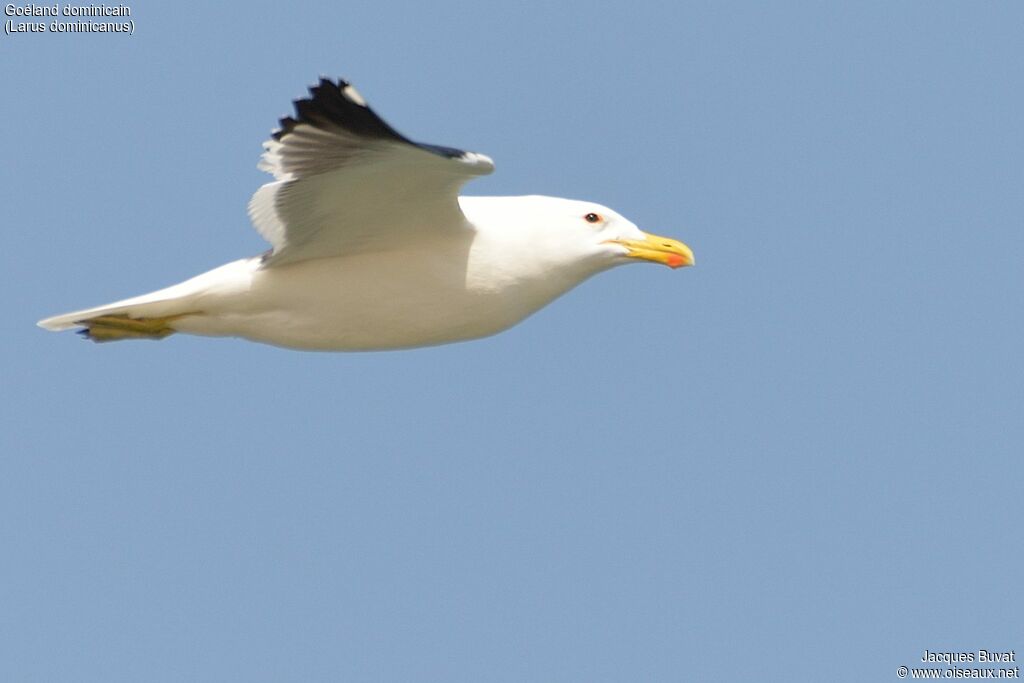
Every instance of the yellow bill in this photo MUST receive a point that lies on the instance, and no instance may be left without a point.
(672, 253)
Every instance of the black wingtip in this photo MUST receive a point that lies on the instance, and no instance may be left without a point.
(335, 104)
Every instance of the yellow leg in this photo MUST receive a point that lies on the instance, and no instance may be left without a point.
(106, 328)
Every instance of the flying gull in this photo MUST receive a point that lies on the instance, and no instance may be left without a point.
(373, 248)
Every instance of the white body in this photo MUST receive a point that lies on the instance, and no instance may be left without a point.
(374, 249)
(469, 283)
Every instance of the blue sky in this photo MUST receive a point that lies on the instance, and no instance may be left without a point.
(799, 460)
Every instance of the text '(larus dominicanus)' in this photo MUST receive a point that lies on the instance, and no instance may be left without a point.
(373, 248)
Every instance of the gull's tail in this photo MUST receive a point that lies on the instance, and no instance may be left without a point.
(153, 315)
(150, 316)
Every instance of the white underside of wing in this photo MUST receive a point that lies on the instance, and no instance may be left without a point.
(346, 182)
(395, 192)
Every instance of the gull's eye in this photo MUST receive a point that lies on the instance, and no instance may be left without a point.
(592, 218)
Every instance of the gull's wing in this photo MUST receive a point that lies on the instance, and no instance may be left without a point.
(349, 182)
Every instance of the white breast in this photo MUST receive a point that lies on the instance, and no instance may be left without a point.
(402, 298)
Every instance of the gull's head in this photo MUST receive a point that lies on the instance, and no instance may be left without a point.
(540, 237)
(590, 232)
